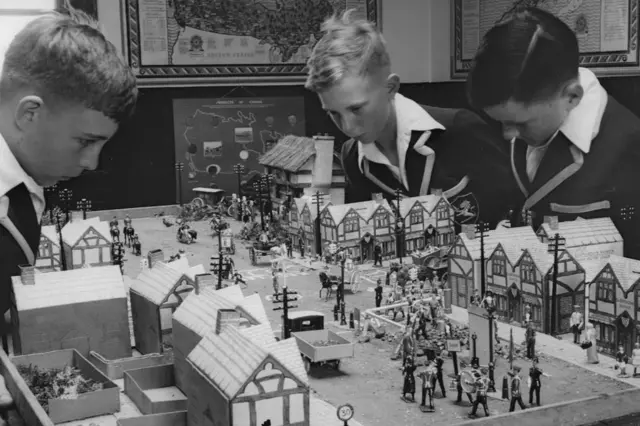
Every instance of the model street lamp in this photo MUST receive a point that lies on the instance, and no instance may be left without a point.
(481, 230)
(49, 192)
(179, 168)
(399, 228)
(219, 228)
(84, 205)
(318, 199)
(340, 294)
(238, 169)
(267, 181)
(556, 243)
(63, 256)
(259, 187)
(65, 196)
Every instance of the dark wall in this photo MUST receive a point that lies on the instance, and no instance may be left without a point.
(137, 166)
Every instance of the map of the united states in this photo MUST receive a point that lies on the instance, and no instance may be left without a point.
(285, 25)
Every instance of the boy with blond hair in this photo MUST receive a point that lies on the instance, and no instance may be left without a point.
(397, 144)
(64, 91)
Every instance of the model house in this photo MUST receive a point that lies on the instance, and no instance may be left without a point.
(465, 254)
(84, 309)
(155, 294)
(614, 301)
(302, 166)
(302, 215)
(520, 274)
(243, 376)
(49, 249)
(87, 243)
(586, 239)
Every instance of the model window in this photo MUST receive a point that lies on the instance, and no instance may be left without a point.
(381, 220)
(605, 292)
(499, 267)
(294, 216)
(351, 225)
(443, 213)
(416, 217)
(528, 273)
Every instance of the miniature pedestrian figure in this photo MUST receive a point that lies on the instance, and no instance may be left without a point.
(622, 359)
(530, 337)
(488, 302)
(439, 364)
(421, 322)
(527, 314)
(516, 395)
(301, 246)
(137, 247)
(114, 223)
(475, 298)
(428, 377)
(576, 323)
(635, 359)
(409, 385)
(460, 390)
(534, 382)
(127, 221)
(275, 282)
(378, 293)
(590, 344)
(289, 244)
(377, 255)
(408, 346)
(237, 279)
(482, 385)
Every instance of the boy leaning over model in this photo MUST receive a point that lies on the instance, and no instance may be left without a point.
(397, 144)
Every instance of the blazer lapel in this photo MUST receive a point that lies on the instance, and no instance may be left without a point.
(381, 176)
(519, 165)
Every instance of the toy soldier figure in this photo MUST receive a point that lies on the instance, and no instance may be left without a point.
(475, 298)
(534, 382)
(482, 385)
(439, 363)
(530, 337)
(409, 385)
(428, 385)
(576, 323)
(516, 395)
(377, 255)
(378, 293)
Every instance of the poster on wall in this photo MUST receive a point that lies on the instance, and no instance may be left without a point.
(192, 42)
(607, 31)
(213, 135)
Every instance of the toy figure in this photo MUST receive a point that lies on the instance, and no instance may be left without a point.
(428, 377)
(527, 314)
(576, 323)
(397, 296)
(377, 255)
(460, 390)
(115, 232)
(275, 282)
(408, 346)
(127, 221)
(237, 278)
(113, 223)
(289, 246)
(475, 298)
(622, 359)
(137, 247)
(635, 358)
(516, 395)
(482, 385)
(439, 364)
(378, 291)
(530, 338)
(534, 382)
(421, 324)
(301, 246)
(488, 302)
(591, 345)
(409, 385)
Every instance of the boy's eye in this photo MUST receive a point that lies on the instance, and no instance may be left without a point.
(85, 142)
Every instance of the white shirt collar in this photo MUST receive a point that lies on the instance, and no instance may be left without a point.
(583, 123)
(12, 175)
(410, 116)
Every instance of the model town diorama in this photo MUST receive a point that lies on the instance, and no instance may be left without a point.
(76, 315)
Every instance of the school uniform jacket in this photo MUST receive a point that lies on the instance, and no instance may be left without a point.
(601, 183)
(471, 167)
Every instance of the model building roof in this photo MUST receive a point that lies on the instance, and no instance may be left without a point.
(592, 267)
(74, 230)
(182, 265)
(290, 153)
(51, 233)
(69, 287)
(253, 306)
(493, 237)
(584, 232)
(199, 312)
(230, 358)
(307, 201)
(627, 271)
(365, 209)
(157, 284)
(429, 202)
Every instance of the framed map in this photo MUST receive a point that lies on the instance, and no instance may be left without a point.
(197, 42)
(607, 31)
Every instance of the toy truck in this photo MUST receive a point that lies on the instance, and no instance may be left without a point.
(320, 347)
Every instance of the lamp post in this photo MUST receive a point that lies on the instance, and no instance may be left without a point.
(481, 230)
(474, 337)
(65, 198)
(63, 256)
(218, 228)
(258, 186)
(49, 191)
(267, 181)
(318, 199)
(556, 243)
(399, 228)
(341, 304)
(84, 205)
(179, 168)
(238, 169)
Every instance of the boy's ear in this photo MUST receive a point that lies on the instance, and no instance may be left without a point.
(574, 92)
(27, 110)
(393, 84)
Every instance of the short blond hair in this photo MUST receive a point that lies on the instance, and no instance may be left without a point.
(65, 58)
(348, 46)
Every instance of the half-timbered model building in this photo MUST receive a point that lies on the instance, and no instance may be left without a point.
(87, 243)
(301, 166)
(614, 302)
(520, 274)
(464, 258)
(301, 222)
(48, 250)
(428, 220)
(586, 239)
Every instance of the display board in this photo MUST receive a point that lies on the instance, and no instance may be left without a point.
(213, 135)
(196, 41)
(607, 30)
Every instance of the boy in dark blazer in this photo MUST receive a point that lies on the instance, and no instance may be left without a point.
(63, 92)
(574, 149)
(397, 144)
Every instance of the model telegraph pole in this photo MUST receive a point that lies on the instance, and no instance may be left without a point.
(63, 256)
(219, 264)
(318, 199)
(481, 230)
(258, 186)
(84, 205)
(267, 180)
(399, 226)
(48, 193)
(179, 168)
(286, 329)
(556, 243)
(340, 296)
(65, 198)
(238, 169)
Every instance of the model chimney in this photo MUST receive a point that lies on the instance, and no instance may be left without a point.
(469, 231)
(552, 221)
(27, 274)
(203, 281)
(155, 256)
(377, 197)
(323, 162)
(436, 191)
